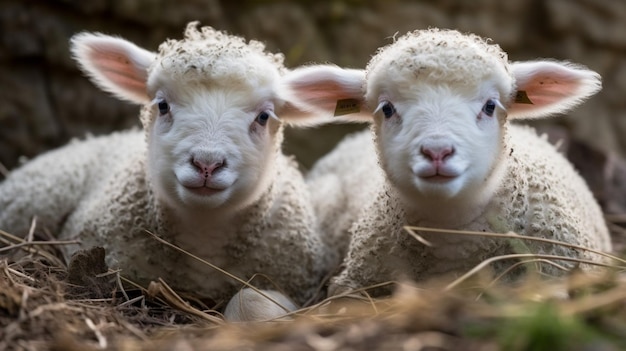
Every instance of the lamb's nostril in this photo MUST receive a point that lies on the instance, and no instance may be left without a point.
(446, 153)
(208, 168)
(437, 154)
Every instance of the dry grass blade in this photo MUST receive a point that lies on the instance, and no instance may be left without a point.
(524, 262)
(140, 334)
(226, 273)
(37, 243)
(102, 341)
(131, 301)
(135, 285)
(31, 230)
(355, 294)
(57, 306)
(521, 263)
(511, 235)
(15, 272)
(11, 241)
(118, 281)
(491, 260)
(143, 290)
(418, 237)
(164, 291)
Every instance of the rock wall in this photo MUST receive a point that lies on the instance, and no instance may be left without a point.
(44, 100)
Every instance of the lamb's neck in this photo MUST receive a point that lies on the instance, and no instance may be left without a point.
(442, 214)
(457, 211)
(220, 226)
(424, 211)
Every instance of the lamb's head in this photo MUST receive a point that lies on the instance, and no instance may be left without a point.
(437, 97)
(210, 106)
(440, 102)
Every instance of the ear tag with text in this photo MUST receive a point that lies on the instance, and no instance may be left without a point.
(522, 98)
(346, 107)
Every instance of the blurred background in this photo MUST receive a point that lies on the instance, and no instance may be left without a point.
(45, 101)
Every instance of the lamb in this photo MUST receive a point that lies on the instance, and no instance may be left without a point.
(443, 104)
(206, 173)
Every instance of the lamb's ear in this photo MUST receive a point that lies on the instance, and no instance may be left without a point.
(547, 87)
(324, 94)
(115, 65)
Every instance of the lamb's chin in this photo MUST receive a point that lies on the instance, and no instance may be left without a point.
(439, 187)
(203, 197)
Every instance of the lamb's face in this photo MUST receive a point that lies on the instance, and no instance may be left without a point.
(209, 103)
(439, 118)
(212, 147)
(436, 141)
(213, 133)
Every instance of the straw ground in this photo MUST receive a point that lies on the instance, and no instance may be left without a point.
(46, 304)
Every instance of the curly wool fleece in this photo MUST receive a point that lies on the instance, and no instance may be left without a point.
(102, 190)
(425, 55)
(436, 81)
(541, 196)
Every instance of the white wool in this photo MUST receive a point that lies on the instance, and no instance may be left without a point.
(340, 184)
(438, 56)
(443, 102)
(541, 196)
(206, 174)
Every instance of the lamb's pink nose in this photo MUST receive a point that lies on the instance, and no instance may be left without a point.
(437, 154)
(208, 168)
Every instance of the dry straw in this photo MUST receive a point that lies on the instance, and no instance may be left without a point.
(160, 318)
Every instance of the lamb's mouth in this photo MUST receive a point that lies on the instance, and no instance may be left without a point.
(439, 178)
(204, 191)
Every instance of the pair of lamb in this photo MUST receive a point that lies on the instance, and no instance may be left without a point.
(207, 173)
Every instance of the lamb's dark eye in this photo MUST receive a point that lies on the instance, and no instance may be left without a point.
(388, 109)
(489, 107)
(164, 107)
(262, 118)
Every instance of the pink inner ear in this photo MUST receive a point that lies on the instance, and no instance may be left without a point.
(323, 94)
(545, 91)
(119, 70)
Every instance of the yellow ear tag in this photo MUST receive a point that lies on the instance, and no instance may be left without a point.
(346, 107)
(522, 98)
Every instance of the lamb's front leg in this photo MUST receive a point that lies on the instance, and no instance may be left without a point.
(365, 264)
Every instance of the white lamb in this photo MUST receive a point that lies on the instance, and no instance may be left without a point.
(207, 173)
(442, 103)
